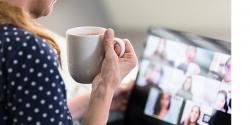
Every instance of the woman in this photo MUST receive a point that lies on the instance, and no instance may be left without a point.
(190, 67)
(193, 116)
(221, 101)
(186, 90)
(162, 106)
(160, 53)
(31, 88)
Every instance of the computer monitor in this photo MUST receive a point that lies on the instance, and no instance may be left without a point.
(183, 78)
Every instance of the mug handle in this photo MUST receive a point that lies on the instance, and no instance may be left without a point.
(121, 44)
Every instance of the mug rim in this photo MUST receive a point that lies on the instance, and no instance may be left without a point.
(72, 31)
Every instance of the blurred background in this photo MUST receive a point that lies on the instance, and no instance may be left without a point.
(132, 18)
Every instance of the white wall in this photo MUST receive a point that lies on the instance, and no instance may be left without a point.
(207, 17)
(73, 13)
(131, 18)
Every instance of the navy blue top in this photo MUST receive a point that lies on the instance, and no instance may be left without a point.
(32, 91)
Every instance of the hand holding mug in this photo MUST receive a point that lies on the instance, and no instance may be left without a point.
(114, 68)
(86, 51)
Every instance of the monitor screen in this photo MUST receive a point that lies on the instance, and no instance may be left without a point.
(183, 81)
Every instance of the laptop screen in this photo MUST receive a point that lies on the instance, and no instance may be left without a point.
(183, 79)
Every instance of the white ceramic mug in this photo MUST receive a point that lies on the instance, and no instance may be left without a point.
(86, 53)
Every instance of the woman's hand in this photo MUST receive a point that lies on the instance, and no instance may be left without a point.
(114, 68)
(105, 83)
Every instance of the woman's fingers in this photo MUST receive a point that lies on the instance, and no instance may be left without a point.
(117, 49)
(128, 47)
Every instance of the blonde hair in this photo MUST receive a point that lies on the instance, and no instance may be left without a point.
(18, 17)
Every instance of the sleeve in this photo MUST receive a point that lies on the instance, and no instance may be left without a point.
(36, 92)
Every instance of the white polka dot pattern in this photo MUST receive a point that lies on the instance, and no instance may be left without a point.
(32, 85)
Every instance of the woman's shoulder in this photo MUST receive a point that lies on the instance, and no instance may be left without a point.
(15, 41)
(13, 38)
(10, 34)
(9, 30)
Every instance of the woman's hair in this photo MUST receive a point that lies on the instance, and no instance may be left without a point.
(189, 77)
(157, 107)
(161, 53)
(18, 17)
(223, 92)
(188, 121)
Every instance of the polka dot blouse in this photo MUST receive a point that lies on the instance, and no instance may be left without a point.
(32, 91)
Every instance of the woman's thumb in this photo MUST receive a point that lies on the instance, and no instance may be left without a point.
(108, 40)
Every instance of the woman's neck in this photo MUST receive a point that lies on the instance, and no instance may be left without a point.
(163, 113)
(189, 123)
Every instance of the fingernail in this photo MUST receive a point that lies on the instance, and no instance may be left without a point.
(109, 34)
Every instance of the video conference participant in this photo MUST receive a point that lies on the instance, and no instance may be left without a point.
(193, 116)
(190, 67)
(162, 107)
(186, 89)
(223, 72)
(160, 53)
(221, 101)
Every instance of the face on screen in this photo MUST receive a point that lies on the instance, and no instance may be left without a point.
(165, 101)
(180, 75)
(163, 106)
(194, 114)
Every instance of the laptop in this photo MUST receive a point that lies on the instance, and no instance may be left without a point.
(183, 78)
